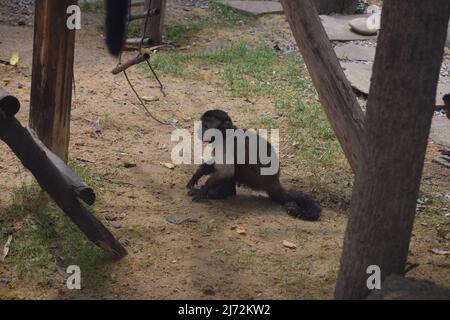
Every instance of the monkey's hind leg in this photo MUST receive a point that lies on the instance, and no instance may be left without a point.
(220, 191)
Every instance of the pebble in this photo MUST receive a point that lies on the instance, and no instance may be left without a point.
(115, 224)
(289, 245)
(6, 280)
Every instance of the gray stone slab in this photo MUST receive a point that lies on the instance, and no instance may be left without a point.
(440, 130)
(443, 89)
(350, 51)
(358, 74)
(398, 288)
(255, 8)
(338, 28)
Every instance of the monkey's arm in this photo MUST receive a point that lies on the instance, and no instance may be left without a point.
(203, 170)
(220, 184)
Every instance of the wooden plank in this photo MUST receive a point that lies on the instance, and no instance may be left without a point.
(127, 64)
(335, 93)
(154, 27)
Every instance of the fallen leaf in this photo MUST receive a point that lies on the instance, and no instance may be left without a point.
(6, 249)
(440, 252)
(14, 59)
(168, 165)
(289, 245)
(241, 231)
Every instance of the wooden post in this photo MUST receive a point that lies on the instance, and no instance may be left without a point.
(335, 92)
(154, 29)
(399, 112)
(52, 74)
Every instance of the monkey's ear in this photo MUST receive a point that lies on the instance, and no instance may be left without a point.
(228, 125)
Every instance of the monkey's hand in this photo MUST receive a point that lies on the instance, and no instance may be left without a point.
(191, 184)
(192, 192)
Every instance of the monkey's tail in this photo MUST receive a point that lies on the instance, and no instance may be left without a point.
(116, 15)
(298, 204)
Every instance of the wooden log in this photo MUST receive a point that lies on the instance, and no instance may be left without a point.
(143, 15)
(397, 125)
(29, 149)
(133, 61)
(154, 28)
(137, 41)
(52, 74)
(335, 93)
(137, 3)
(79, 187)
(9, 105)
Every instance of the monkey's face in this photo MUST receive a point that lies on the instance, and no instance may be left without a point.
(215, 119)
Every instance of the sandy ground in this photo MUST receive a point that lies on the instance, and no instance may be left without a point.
(204, 258)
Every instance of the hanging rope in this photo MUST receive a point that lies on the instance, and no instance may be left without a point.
(141, 57)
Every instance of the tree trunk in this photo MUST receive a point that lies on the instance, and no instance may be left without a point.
(398, 120)
(335, 92)
(52, 74)
(336, 6)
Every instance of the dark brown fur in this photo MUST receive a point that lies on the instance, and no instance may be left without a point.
(223, 178)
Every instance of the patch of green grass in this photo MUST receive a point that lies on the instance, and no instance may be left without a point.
(221, 252)
(42, 234)
(223, 17)
(92, 6)
(183, 33)
(244, 70)
(134, 29)
(247, 255)
(262, 71)
(227, 16)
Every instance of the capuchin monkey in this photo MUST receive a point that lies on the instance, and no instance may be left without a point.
(223, 178)
(116, 20)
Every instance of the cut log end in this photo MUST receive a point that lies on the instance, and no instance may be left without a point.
(9, 105)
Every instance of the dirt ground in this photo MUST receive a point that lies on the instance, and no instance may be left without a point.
(203, 258)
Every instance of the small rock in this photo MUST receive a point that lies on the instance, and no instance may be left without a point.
(241, 231)
(115, 224)
(289, 245)
(6, 280)
(113, 278)
(150, 98)
(209, 291)
(361, 26)
(129, 165)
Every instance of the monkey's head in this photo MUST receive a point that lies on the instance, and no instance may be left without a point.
(216, 119)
